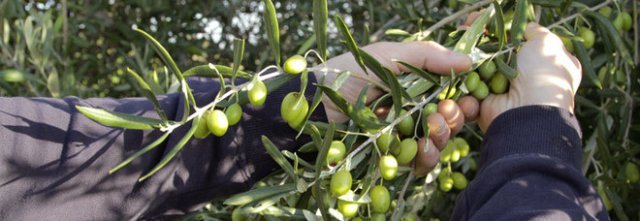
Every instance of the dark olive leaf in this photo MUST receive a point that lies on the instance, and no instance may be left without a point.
(547, 3)
(139, 153)
(336, 98)
(238, 54)
(122, 120)
(500, 31)
(349, 42)
(397, 91)
(320, 19)
(277, 156)
(162, 52)
(324, 148)
(205, 71)
(317, 99)
(273, 30)
(420, 72)
(258, 194)
(519, 22)
(588, 70)
(148, 93)
(173, 151)
(607, 27)
(506, 70)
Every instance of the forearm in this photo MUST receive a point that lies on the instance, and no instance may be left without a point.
(530, 168)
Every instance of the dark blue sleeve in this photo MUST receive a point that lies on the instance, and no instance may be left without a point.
(54, 160)
(530, 169)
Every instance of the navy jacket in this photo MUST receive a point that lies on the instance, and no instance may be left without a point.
(54, 162)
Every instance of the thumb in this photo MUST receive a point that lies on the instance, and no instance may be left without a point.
(492, 107)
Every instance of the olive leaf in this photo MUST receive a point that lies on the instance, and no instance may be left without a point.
(148, 93)
(122, 120)
(258, 194)
(505, 69)
(277, 156)
(320, 18)
(238, 53)
(519, 22)
(225, 71)
(349, 42)
(273, 30)
(500, 31)
(585, 60)
(139, 153)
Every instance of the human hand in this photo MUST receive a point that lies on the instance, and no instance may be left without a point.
(548, 76)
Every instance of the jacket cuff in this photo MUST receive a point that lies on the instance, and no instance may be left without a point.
(541, 130)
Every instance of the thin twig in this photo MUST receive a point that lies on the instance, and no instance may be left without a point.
(398, 211)
(423, 35)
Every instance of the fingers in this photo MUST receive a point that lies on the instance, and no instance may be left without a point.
(426, 161)
(491, 107)
(534, 31)
(439, 130)
(427, 55)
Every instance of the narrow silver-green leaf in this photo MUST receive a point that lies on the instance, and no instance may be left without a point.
(470, 38)
(274, 152)
(336, 98)
(500, 31)
(273, 30)
(163, 53)
(506, 70)
(122, 120)
(420, 72)
(173, 151)
(349, 42)
(320, 18)
(238, 54)
(205, 71)
(148, 93)
(139, 153)
(519, 22)
(258, 194)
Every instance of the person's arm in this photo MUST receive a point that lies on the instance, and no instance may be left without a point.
(530, 165)
(55, 160)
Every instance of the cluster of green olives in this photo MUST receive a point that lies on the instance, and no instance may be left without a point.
(476, 81)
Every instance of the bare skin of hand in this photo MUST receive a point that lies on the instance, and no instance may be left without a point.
(548, 76)
(427, 55)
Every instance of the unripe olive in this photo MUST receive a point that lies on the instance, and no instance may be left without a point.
(446, 93)
(233, 113)
(295, 64)
(378, 217)
(348, 209)
(405, 127)
(294, 109)
(446, 183)
(482, 91)
(631, 172)
(340, 183)
(499, 84)
(385, 141)
(217, 122)
(487, 69)
(568, 44)
(408, 151)
(447, 152)
(627, 21)
(202, 130)
(388, 167)
(459, 180)
(380, 199)
(429, 109)
(588, 37)
(472, 81)
(12, 75)
(257, 94)
(618, 23)
(239, 215)
(462, 146)
(336, 153)
(605, 11)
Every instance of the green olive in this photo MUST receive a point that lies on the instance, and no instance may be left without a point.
(472, 164)
(257, 94)
(408, 217)
(627, 21)
(348, 209)
(239, 215)
(217, 122)
(446, 93)
(605, 198)
(385, 141)
(378, 217)
(295, 64)
(380, 199)
(388, 167)
(605, 11)
(472, 81)
(202, 130)
(447, 152)
(631, 172)
(429, 108)
(568, 44)
(446, 183)
(481, 92)
(462, 146)
(233, 113)
(408, 151)
(499, 84)
(12, 75)
(618, 23)
(487, 69)
(459, 180)
(405, 127)
(588, 37)
(336, 153)
(294, 109)
(340, 183)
